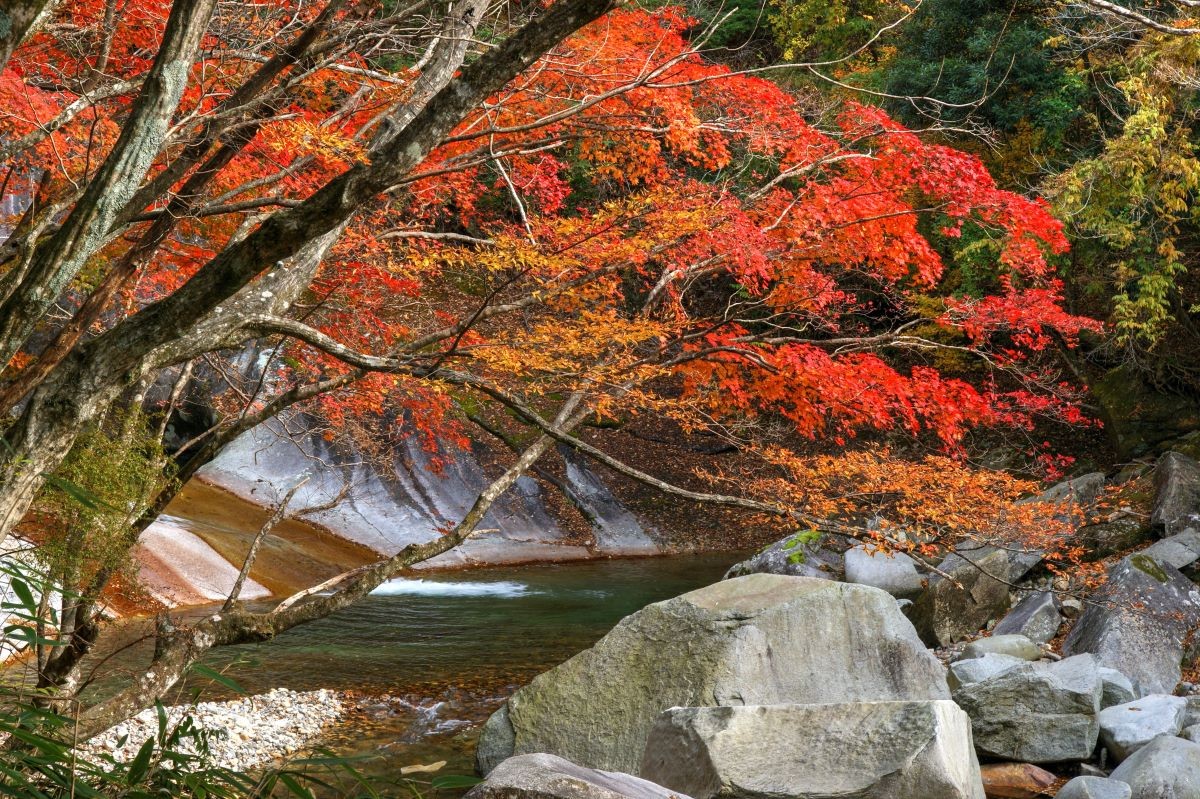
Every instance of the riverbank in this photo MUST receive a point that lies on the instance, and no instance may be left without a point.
(250, 732)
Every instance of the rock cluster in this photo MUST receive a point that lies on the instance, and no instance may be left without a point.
(250, 732)
(804, 687)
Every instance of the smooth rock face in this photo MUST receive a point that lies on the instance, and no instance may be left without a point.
(542, 776)
(1094, 788)
(945, 613)
(1017, 646)
(1124, 729)
(760, 639)
(1177, 504)
(791, 557)
(1037, 617)
(965, 672)
(894, 572)
(868, 750)
(1015, 781)
(1138, 622)
(1117, 688)
(1036, 712)
(1165, 768)
(1180, 550)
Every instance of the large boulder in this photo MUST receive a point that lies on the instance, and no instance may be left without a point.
(1037, 617)
(1036, 712)
(960, 604)
(542, 776)
(1117, 688)
(1138, 623)
(1165, 768)
(792, 556)
(965, 672)
(893, 572)
(1180, 550)
(1126, 728)
(1177, 499)
(868, 750)
(761, 639)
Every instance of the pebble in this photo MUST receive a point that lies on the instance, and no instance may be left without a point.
(251, 732)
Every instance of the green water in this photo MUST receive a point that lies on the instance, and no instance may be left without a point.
(434, 659)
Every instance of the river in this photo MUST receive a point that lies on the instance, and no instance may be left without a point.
(442, 651)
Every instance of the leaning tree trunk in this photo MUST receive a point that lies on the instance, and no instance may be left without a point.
(85, 383)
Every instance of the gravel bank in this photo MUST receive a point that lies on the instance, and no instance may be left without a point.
(258, 729)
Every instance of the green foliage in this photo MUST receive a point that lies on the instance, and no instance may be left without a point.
(799, 542)
(997, 63)
(91, 500)
(829, 29)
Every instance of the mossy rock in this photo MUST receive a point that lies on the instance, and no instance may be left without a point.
(1140, 420)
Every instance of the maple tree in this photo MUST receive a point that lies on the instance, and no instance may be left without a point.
(585, 218)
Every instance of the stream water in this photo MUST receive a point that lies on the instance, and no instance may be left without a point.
(434, 656)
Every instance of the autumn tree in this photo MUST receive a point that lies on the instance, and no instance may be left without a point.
(569, 215)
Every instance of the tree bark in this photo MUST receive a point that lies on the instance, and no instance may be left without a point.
(88, 380)
(18, 19)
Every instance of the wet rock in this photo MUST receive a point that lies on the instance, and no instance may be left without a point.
(947, 612)
(1016, 781)
(1126, 728)
(965, 672)
(870, 750)
(760, 639)
(1165, 768)
(791, 556)
(894, 572)
(1117, 688)
(1037, 617)
(1177, 500)
(1138, 623)
(542, 776)
(1036, 712)
(1180, 550)
(1017, 646)
(1094, 788)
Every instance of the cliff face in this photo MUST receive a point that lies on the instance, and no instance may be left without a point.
(192, 554)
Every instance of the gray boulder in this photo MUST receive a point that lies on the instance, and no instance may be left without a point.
(1093, 788)
(1165, 768)
(1179, 550)
(1017, 646)
(542, 776)
(1191, 713)
(761, 639)
(791, 556)
(1037, 617)
(1117, 688)
(1191, 733)
(1079, 494)
(1036, 712)
(893, 572)
(1177, 500)
(868, 750)
(1126, 728)
(949, 610)
(965, 672)
(1138, 622)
